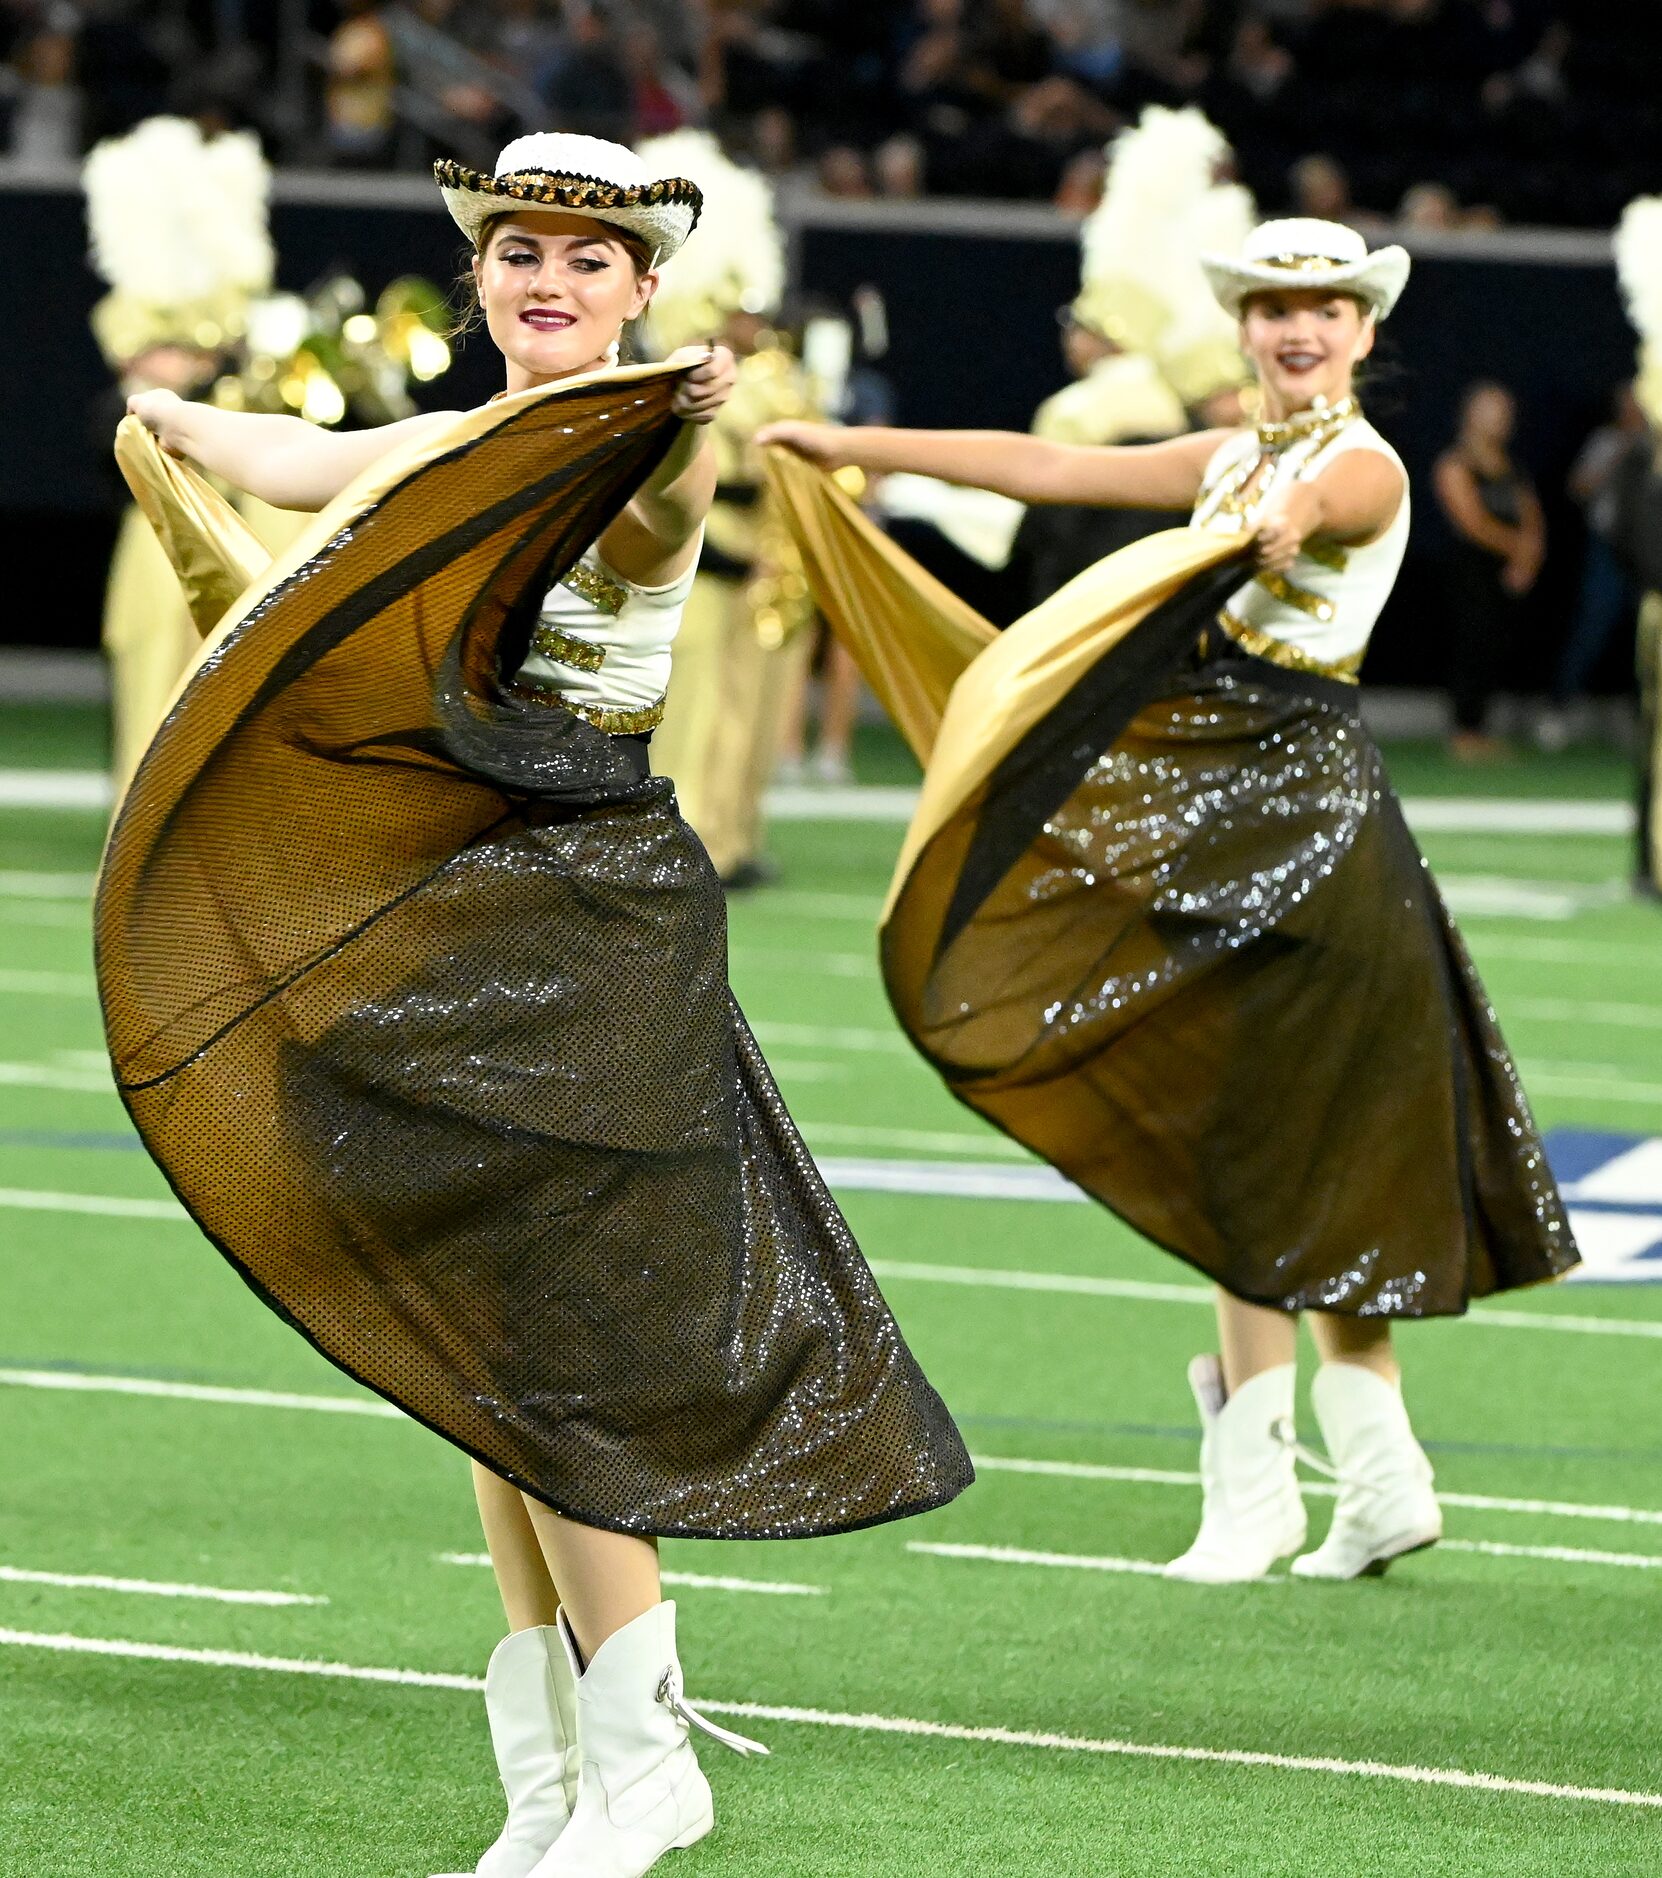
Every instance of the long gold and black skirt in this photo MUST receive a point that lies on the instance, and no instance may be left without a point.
(1160, 919)
(416, 989)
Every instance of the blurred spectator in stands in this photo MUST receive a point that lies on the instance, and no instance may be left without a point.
(1321, 188)
(1158, 38)
(360, 86)
(843, 172)
(524, 37)
(1540, 79)
(1085, 38)
(1258, 62)
(46, 102)
(1080, 189)
(588, 88)
(1429, 205)
(897, 166)
(661, 97)
(1606, 602)
(773, 143)
(1497, 541)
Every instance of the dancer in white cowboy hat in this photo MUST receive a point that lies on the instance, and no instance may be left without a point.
(1160, 916)
(541, 1189)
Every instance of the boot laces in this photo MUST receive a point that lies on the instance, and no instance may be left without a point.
(673, 1697)
(1282, 1430)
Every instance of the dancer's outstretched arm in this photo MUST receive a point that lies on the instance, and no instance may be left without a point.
(1140, 476)
(283, 460)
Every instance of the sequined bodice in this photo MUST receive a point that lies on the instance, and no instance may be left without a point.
(601, 646)
(1321, 613)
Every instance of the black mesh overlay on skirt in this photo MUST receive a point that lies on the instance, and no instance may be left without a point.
(417, 992)
(1183, 945)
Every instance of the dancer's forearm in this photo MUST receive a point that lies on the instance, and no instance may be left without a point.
(1012, 463)
(283, 460)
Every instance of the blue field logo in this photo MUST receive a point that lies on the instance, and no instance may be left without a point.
(1613, 1185)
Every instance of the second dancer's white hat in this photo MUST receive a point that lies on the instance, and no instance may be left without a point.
(579, 176)
(1306, 254)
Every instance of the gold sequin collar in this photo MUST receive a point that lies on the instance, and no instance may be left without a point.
(1322, 420)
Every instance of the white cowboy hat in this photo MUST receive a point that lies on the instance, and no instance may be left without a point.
(1304, 253)
(580, 176)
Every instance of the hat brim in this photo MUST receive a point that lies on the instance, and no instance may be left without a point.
(662, 213)
(1378, 280)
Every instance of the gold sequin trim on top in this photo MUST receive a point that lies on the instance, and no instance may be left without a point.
(601, 591)
(1327, 554)
(1284, 590)
(1264, 645)
(617, 720)
(565, 649)
(1321, 420)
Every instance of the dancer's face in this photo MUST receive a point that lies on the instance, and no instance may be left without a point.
(1304, 344)
(557, 290)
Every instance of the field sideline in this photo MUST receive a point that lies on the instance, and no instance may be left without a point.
(242, 1616)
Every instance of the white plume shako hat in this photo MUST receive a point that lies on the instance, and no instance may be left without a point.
(553, 169)
(1306, 254)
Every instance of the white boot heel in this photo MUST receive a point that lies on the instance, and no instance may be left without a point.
(531, 1704)
(1385, 1507)
(641, 1792)
(1252, 1513)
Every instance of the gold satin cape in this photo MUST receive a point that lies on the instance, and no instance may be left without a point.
(1158, 916)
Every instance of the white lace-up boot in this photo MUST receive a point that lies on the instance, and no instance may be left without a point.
(1385, 1506)
(1252, 1513)
(641, 1792)
(531, 1703)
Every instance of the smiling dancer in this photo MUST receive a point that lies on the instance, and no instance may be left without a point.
(1161, 919)
(415, 983)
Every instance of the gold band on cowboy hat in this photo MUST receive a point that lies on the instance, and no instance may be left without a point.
(578, 176)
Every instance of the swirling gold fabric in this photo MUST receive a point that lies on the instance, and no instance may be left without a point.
(417, 992)
(1160, 918)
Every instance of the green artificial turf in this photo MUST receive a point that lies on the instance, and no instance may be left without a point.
(1529, 1668)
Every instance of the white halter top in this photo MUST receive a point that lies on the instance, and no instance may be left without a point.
(601, 646)
(1318, 616)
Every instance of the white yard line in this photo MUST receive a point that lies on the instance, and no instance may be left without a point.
(110, 1206)
(1149, 1568)
(1557, 1554)
(15, 883)
(989, 1278)
(857, 1038)
(1543, 951)
(696, 1581)
(1572, 1011)
(55, 789)
(1510, 815)
(147, 1587)
(1014, 1555)
(78, 1384)
(1313, 1489)
(74, 1382)
(873, 1724)
(924, 1140)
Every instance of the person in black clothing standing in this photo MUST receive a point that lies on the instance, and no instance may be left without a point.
(1497, 543)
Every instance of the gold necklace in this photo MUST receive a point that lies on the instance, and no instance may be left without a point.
(1322, 419)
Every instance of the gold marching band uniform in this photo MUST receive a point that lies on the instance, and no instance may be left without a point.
(742, 647)
(179, 233)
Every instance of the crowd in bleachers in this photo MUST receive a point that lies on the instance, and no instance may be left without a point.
(1437, 112)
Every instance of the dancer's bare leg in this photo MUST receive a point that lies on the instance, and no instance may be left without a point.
(1365, 1341)
(1252, 1339)
(528, 1594)
(606, 1579)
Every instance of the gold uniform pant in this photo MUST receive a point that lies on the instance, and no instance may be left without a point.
(149, 637)
(1650, 754)
(719, 741)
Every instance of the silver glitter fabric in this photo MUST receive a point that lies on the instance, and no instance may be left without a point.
(1184, 947)
(416, 990)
